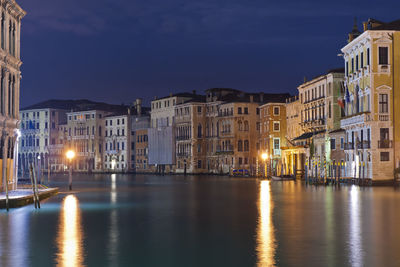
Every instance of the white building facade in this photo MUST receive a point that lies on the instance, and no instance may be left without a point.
(117, 142)
(11, 15)
(39, 131)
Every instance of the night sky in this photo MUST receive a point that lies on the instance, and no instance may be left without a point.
(118, 50)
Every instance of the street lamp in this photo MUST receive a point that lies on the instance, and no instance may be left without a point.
(70, 156)
(264, 156)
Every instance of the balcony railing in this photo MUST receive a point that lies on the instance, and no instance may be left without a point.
(225, 114)
(383, 117)
(348, 146)
(364, 145)
(183, 154)
(182, 138)
(226, 150)
(385, 144)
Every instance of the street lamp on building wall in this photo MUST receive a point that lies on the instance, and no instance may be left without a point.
(264, 156)
(70, 156)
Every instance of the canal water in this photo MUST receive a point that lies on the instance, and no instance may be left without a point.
(128, 220)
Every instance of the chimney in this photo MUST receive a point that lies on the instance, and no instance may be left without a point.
(138, 106)
(251, 98)
(305, 79)
(365, 25)
(262, 97)
(354, 33)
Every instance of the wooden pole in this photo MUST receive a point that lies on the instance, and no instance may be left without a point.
(36, 188)
(5, 181)
(33, 186)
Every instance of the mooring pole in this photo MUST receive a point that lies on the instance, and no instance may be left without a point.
(36, 188)
(33, 186)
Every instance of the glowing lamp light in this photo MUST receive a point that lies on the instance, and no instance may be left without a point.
(264, 156)
(70, 154)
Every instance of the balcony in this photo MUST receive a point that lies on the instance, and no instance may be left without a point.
(385, 144)
(348, 146)
(226, 150)
(359, 118)
(182, 138)
(364, 145)
(225, 114)
(183, 154)
(383, 117)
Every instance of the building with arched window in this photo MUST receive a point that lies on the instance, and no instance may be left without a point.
(11, 14)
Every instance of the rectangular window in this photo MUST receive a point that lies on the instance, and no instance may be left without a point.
(368, 56)
(383, 103)
(239, 110)
(199, 109)
(357, 62)
(383, 55)
(276, 126)
(199, 164)
(384, 156)
(384, 134)
(246, 110)
(352, 65)
(333, 144)
(277, 143)
(341, 143)
(362, 59)
(347, 68)
(276, 111)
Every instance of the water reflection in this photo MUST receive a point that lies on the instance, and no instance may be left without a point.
(69, 239)
(265, 233)
(113, 188)
(355, 228)
(113, 231)
(19, 233)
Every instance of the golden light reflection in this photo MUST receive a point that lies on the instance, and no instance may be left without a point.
(355, 243)
(69, 239)
(266, 244)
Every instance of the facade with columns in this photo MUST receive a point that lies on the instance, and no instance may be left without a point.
(39, 136)
(10, 75)
(372, 81)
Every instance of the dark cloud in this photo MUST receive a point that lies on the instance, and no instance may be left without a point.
(116, 50)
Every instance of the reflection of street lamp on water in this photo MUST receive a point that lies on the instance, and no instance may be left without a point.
(264, 156)
(70, 156)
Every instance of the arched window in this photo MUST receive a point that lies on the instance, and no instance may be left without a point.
(246, 125)
(13, 40)
(10, 37)
(9, 94)
(240, 145)
(2, 31)
(199, 130)
(13, 96)
(246, 145)
(240, 126)
(2, 91)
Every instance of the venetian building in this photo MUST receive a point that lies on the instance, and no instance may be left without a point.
(10, 76)
(372, 81)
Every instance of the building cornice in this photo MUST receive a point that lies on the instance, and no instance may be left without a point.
(14, 9)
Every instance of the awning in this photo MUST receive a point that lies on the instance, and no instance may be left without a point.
(308, 135)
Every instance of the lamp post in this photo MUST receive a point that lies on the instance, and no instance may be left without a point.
(264, 156)
(70, 156)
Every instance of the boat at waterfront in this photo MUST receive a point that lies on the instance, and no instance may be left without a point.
(283, 178)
